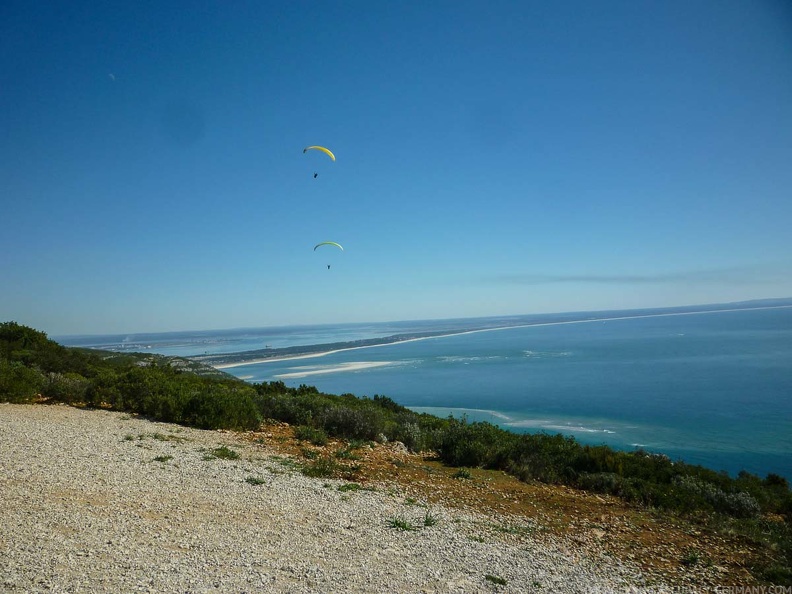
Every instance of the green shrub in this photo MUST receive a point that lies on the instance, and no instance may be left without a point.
(224, 453)
(19, 383)
(322, 468)
(601, 482)
(738, 504)
(65, 387)
(315, 436)
(353, 422)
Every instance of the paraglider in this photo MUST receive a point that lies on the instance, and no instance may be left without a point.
(333, 243)
(322, 149)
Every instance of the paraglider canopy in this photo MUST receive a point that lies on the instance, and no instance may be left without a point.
(331, 243)
(320, 148)
(338, 245)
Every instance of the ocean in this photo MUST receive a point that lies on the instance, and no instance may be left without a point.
(709, 388)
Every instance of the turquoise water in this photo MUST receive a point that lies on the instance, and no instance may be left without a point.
(712, 389)
(709, 388)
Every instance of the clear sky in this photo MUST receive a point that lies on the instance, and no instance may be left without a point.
(493, 158)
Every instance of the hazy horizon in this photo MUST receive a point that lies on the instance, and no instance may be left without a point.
(760, 304)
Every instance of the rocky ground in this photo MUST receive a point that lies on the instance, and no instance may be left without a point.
(99, 501)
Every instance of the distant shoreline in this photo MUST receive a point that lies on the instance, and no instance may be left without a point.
(314, 351)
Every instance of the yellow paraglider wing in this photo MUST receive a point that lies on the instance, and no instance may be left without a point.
(338, 245)
(320, 148)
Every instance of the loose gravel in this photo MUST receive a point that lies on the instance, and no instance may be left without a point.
(100, 501)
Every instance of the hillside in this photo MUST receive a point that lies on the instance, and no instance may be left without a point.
(747, 511)
(132, 505)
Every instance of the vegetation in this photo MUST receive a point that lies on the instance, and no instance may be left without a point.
(223, 452)
(495, 579)
(429, 519)
(400, 524)
(34, 368)
(322, 468)
(317, 437)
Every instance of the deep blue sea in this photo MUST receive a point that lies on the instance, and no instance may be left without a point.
(708, 388)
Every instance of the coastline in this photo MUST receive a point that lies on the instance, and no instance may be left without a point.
(395, 339)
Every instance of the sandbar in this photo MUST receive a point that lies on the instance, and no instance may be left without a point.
(351, 366)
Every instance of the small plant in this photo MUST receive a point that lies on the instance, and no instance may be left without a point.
(691, 557)
(129, 437)
(429, 519)
(462, 473)
(349, 487)
(255, 480)
(285, 463)
(346, 454)
(163, 458)
(512, 529)
(410, 501)
(495, 579)
(309, 453)
(400, 524)
(315, 436)
(223, 453)
(321, 468)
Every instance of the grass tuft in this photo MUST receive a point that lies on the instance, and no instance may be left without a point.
(321, 468)
(223, 452)
(462, 473)
(400, 524)
(430, 519)
(349, 487)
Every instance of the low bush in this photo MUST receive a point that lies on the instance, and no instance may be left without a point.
(317, 437)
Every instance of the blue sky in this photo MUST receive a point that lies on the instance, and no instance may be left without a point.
(492, 158)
